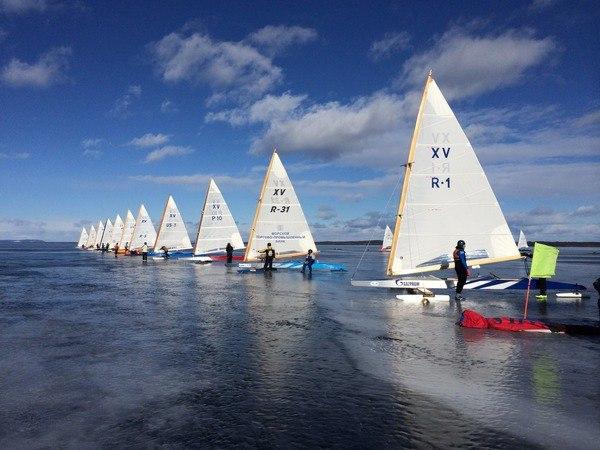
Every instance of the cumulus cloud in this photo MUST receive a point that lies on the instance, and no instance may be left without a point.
(267, 109)
(167, 151)
(91, 142)
(47, 70)
(468, 65)
(229, 68)
(167, 106)
(150, 140)
(23, 6)
(326, 213)
(123, 103)
(50, 230)
(276, 38)
(390, 44)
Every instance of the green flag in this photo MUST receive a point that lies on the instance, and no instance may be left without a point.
(543, 264)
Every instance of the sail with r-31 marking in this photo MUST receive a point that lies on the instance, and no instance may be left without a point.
(445, 197)
(279, 218)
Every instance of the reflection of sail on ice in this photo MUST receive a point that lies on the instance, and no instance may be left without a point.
(127, 234)
(445, 197)
(108, 229)
(279, 218)
(217, 226)
(172, 233)
(143, 231)
(91, 241)
(387, 239)
(117, 231)
(83, 237)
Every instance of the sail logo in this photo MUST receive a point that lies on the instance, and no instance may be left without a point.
(436, 152)
(445, 137)
(279, 191)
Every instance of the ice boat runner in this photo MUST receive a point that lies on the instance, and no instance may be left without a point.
(279, 219)
(172, 233)
(216, 229)
(388, 236)
(83, 237)
(127, 234)
(91, 240)
(143, 231)
(445, 197)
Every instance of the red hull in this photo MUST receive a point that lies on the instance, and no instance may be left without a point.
(224, 257)
(471, 319)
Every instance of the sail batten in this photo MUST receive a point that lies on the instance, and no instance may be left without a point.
(216, 225)
(279, 218)
(172, 232)
(445, 197)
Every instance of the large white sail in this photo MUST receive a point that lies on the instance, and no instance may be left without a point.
(172, 233)
(91, 241)
(522, 240)
(108, 229)
(217, 226)
(117, 231)
(127, 234)
(279, 218)
(143, 231)
(83, 237)
(99, 233)
(445, 197)
(388, 237)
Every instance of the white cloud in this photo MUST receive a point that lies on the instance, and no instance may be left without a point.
(167, 151)
(124, 102)
(150, 140)
(326, 213)
(47, 70)
(92, 153)
(589, 119)
(468, 65)
(391, 43)
(229, 68)
(267, 109)
(49, 229)
(277, 38)
(167, 106)
(23, 6)
(14, 156)
(91, 142)
(197, 179)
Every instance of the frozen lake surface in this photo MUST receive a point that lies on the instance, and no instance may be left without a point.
(104, 352)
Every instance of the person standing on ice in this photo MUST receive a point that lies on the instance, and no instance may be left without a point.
(145, 252)
(229, 251)
(116, 249)
(308, 262)
(460, 266)
(269, 257)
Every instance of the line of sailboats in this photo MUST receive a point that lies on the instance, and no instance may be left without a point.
(278, 219)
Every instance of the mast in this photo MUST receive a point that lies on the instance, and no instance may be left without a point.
(202, 216)
(258, 205)
(407, 173)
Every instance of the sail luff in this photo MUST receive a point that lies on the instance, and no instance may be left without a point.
(407, 173)
(258, 205)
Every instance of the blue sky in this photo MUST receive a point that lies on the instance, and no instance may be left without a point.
(106, 105)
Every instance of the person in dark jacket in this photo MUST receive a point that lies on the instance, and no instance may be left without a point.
(229, 251)
(116, 250)
(269, 257)
(461, 268)
(308, 262)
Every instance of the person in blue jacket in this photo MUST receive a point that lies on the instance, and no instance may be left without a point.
(308, 262)
(460, 266)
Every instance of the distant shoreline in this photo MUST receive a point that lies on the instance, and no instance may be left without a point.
(374, 242)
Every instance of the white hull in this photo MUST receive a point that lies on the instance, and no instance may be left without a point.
(404, 283)
(423, 299)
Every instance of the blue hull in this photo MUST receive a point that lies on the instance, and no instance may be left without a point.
(296, 265)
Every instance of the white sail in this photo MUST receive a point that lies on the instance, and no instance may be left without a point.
(445, 197)
(91, 241)
(127, 233)
(143, 231)
(108, 229)
(522, 240)
(83, 237)
(279, 218)
(172, 233)
(99, 233)
(388, 236)
(217, 226)
(117, 231)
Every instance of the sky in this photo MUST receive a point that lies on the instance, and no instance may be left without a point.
(104, 105)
